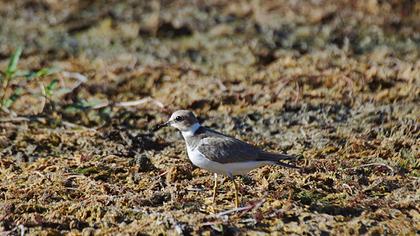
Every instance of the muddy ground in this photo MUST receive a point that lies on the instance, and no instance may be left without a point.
(334, 83)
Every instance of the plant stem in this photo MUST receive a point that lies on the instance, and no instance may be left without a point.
(10, 72)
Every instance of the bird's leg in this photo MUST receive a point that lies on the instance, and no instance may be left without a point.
(215, 188)
(236, 193)
(236, 189)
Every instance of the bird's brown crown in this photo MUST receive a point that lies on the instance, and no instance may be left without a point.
(183, 120)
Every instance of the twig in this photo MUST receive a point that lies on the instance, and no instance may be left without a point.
(257, 205)
(245, 208)
(163, 174)
(373, 185)
(40, 174)
(210, 223)
(195, 189)
(139, 102)
(130, 103)
(22, 230)
(81, 79)
(348, 187)
(101, 105)
(373, 164)
(14, 119)
(73, 125)
(75, 75)
(281, 85)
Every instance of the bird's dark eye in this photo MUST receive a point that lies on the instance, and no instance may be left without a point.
(179, 118)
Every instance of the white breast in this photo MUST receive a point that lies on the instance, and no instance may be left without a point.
(201, 161)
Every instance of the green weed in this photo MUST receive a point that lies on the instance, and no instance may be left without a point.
(7, 76)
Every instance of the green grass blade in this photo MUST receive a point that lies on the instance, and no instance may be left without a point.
(11, 68)
(8, 102)
(50, 87)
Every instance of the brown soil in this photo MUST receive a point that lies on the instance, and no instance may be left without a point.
(334, 83)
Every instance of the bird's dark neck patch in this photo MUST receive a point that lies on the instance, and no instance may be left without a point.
(200, 130)
(194, 140)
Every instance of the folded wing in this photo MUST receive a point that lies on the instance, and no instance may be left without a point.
(225, 149)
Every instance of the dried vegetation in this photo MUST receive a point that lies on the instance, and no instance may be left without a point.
(336, 83)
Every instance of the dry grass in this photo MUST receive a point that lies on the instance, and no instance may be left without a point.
(335, 83)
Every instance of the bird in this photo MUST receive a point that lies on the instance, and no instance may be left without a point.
(219, 153)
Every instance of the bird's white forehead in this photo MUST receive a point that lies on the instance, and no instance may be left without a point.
(174, 115)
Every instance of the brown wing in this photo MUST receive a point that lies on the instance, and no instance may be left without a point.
(225, 149)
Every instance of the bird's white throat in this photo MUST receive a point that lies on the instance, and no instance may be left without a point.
(191, 130)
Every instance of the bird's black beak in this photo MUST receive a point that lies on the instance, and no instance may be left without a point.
(160, 126)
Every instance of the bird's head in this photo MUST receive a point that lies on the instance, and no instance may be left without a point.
(183, 120)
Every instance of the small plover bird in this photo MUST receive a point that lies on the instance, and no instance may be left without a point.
(219, 153)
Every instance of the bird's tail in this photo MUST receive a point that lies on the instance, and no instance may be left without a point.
(277, 158)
